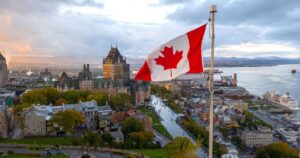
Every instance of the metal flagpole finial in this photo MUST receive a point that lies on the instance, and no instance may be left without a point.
(213, 8)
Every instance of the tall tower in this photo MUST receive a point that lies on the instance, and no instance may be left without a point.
(3, 71)
(115, 66)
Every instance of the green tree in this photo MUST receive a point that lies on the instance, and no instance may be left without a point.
(99, 97)
(67, 120)
(120, 101)
(106, 137)
(277, 150)
(92, 139)
(33, 97)
(18, 109)
(51, 95)
(141, 139)
(181, 147)
(132, 124)
(73, 96)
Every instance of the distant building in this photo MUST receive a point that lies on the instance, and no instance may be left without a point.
(115, 66)
(46, 76)
(142, 91)
(85, 78)
(65, 83)
(3, 71)
(261, 136)
(115, 80)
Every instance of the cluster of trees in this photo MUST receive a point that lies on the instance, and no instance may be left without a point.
(201, 136)
(277, 150)
(166, 94)
(94, 139)
(232, 134)
(181, 147)
(135, 135)
(55, 97)
(251, 121)
(66, 120)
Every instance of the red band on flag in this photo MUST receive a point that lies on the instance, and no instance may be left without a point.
(195, 52)
(144, 73)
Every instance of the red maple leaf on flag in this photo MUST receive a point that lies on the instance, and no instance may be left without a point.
(169, 60)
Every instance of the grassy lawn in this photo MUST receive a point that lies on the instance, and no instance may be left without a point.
(156, 121)
(39, 141)
(154, 153)
(161, 129)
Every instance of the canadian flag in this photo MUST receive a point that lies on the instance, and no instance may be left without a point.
(180, 55)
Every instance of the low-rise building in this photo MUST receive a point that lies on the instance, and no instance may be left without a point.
(35, 122)
(237, 104)
(117, 135)
(147, 121)
(288, 135)
(261, 136)
(36, 118)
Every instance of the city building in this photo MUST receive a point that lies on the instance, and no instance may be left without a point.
(85, 78)
(237, 104)
(35, 122)
(115, 67)
(261, 136)
(118, 136)
(36, 118)
(3, 71)
(288, 135)
(3, 123)
(46, 76)
(147, 121)
(65, 83)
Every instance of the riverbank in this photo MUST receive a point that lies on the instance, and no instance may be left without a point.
(155, 121)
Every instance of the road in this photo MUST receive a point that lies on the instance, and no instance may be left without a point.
(73, 153)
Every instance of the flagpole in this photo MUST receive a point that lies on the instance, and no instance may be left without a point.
(213, 10)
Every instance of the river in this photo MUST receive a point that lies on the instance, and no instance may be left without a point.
(169, 121)
(258, 80)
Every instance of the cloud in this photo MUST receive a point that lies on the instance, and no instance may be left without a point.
(87, 28)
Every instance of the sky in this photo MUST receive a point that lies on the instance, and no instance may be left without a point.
(84, 30)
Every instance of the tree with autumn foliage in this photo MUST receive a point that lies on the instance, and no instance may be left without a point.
(120, 101)
(67, 120)
(33, 97)
(61, 101)
(181, 147)
(99, 97)
(277, 150)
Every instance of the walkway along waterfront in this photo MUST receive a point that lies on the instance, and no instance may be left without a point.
(169, 121)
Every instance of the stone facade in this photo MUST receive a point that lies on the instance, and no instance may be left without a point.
(262, 136)
(115, 67)
(3, 71)
(35, 123)
(65, 83)
(3, 125)
(85, 78)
